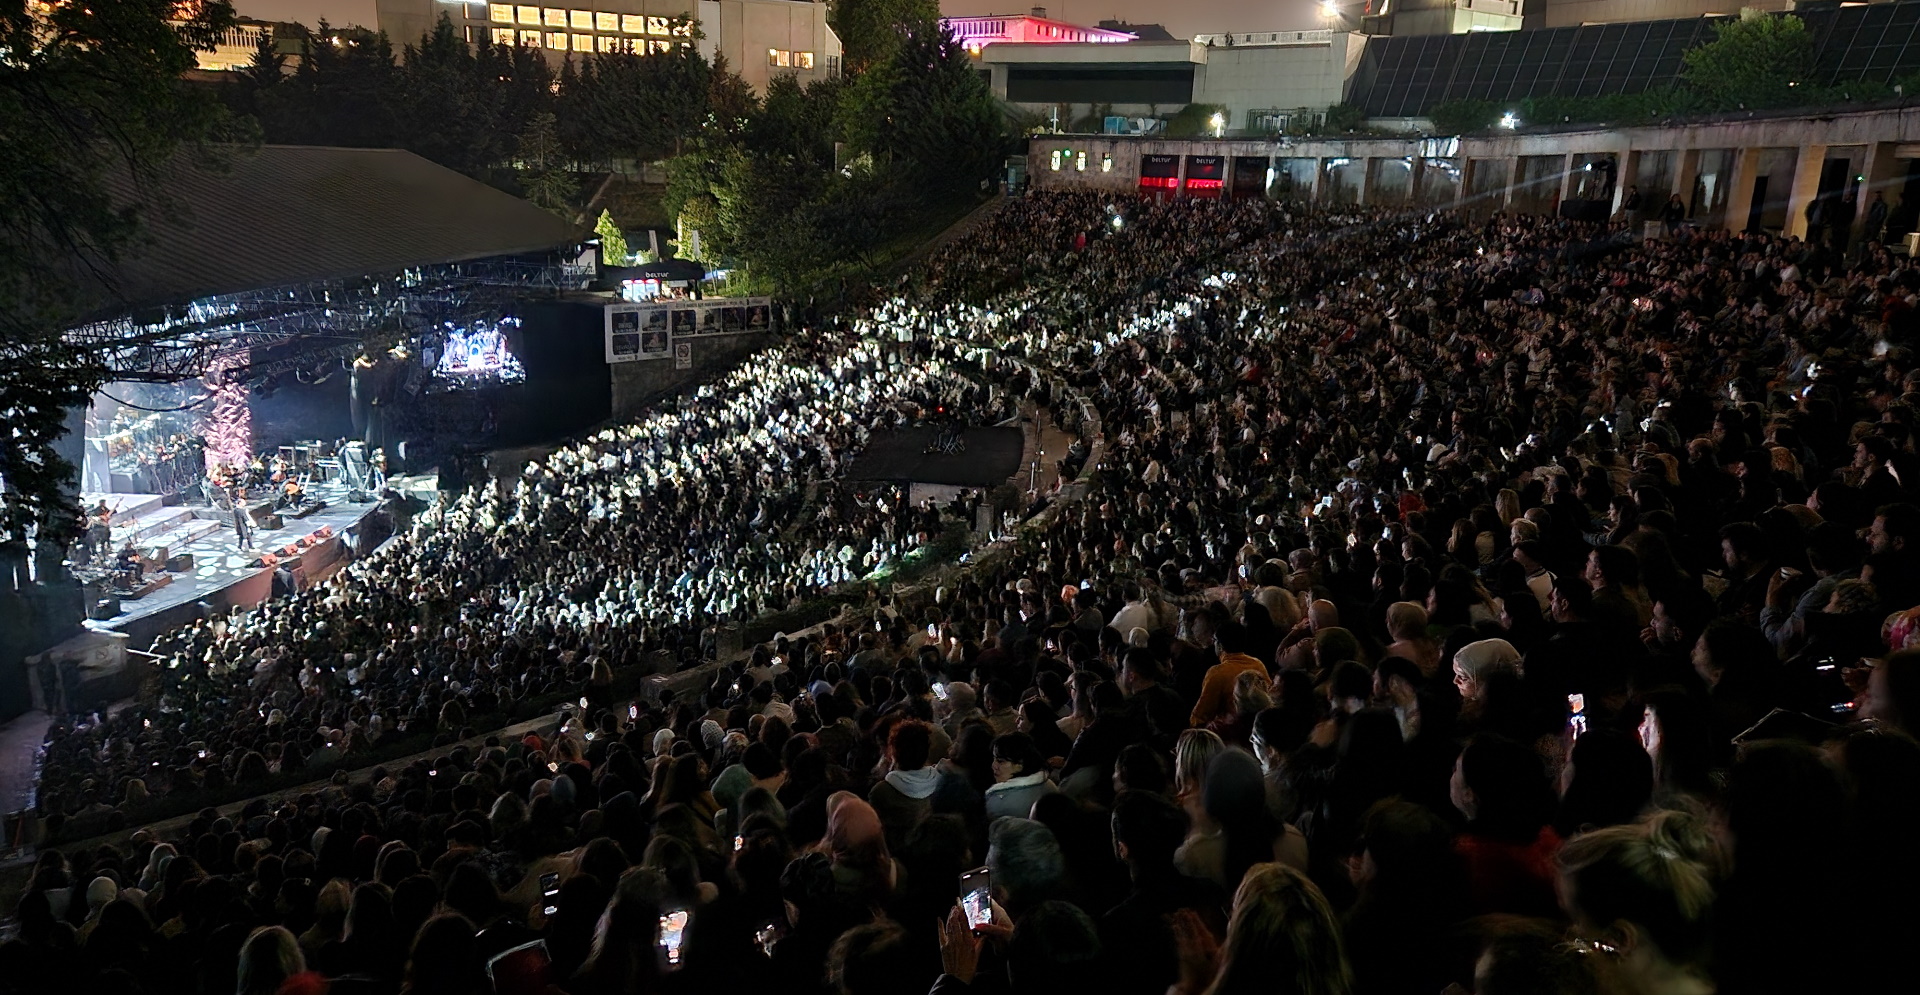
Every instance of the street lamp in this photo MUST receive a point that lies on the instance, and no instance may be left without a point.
(1509, 120)
(1219, 123)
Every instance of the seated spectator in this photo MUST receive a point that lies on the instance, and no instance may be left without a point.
(1020, 777)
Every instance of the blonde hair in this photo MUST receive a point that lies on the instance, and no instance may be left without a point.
(1657, 874)
(1283, 939)
(1506, 505)
(1192, 752)
(269, 957)
(1252, 693)
(1407, 620)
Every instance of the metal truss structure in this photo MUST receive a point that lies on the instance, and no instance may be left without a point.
(291, 328)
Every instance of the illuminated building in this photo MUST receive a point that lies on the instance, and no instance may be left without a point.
(760, 39)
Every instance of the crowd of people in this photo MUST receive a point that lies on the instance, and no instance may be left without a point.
(1482, 605)
(627, 545)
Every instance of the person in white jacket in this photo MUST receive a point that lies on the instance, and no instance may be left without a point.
(1019, 775)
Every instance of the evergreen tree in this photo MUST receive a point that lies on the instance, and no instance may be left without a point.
(268, 67)
(441, 119)
(542, 167)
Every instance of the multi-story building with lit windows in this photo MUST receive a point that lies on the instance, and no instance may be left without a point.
(760, 39)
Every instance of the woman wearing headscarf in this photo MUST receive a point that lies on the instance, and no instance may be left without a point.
(863, 869)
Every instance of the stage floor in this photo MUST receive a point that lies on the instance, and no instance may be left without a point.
(992, 456)
(223, 574)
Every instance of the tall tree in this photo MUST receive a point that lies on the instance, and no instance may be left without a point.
(871, 31)
(86, 90)
(542, 166)
(438, 109)
(1753, 62)
(640, 108)
(268, 67)
(927, 113)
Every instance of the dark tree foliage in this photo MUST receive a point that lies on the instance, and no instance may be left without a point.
(825, 176)
(86, 91)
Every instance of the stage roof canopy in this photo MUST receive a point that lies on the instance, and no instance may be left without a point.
(305, 249)
(282, 214)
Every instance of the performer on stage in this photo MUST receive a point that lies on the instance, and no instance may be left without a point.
(292, 495)
(242, 529)
(129, 565)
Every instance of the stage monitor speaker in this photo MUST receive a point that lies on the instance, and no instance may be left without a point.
(271, 522)
(103, 609)
(260, 511)
(180, 563)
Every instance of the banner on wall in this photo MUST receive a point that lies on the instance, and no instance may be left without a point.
(724, 316)
(646, 331)
(636, 332)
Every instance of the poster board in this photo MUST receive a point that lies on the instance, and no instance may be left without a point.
(644, 331)
(636, 332)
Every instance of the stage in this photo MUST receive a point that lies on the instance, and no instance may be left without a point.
(222, 574)
(992, 456)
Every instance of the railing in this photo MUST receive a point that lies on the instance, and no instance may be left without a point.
(1318, 36)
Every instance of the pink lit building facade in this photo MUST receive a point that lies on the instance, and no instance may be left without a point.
(1036, 28)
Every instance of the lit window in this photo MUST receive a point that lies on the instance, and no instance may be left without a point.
(1053, 160)
(530, 39)
(656, 25)
(583, 43)
(503, 36)
(604, 21)
(500, 12)
(469, 34)
(659, 47)
(683, 29)
(580, 20)
(779, 57)
(554, 18)
(1080, 163)
(803, 60)
(1106, 163)
(527, 15)
(557, 40)
(633, 24)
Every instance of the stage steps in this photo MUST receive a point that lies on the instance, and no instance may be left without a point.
(147, 527)
(124, 505)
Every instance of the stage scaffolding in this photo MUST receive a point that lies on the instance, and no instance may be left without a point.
(291, 328)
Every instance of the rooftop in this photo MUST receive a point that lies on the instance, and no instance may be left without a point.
(280, 215)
